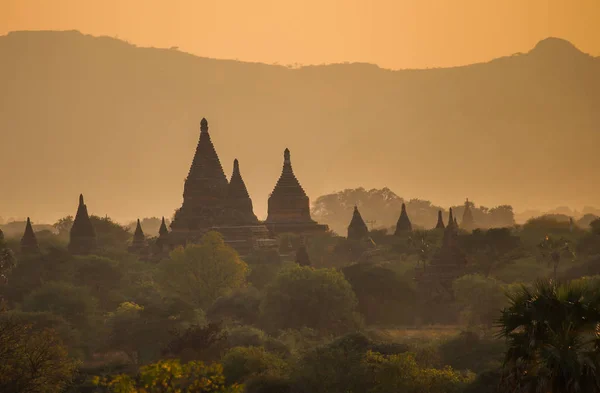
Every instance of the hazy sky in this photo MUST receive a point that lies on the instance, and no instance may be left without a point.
(390, 33)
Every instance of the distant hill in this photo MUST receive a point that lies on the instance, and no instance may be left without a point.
(120, 124)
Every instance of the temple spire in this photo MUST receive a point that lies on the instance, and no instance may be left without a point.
(139, 233)
(440, 221)
(139, 239)
(83, 235)
(357, 229)
(29, 243)
(163, 231)
(163, 241)
(238, 199)
(403, 224)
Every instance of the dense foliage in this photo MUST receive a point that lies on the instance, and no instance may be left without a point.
(344, 316)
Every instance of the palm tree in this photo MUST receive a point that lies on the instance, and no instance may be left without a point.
(552, 250)
(420, 243)
(553, 336)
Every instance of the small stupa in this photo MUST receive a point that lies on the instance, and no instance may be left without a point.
(440, 221)
(403, 224)
(29, 243)
(82, 236)
(357, 230)
(138, 243)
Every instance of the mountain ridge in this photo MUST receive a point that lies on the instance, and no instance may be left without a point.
(118, 122)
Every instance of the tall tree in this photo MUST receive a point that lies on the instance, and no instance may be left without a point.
(552, 250)
(200, 273)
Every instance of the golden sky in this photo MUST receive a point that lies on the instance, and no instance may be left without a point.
(391, 33)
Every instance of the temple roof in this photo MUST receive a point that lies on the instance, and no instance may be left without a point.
(237, 187)
(288, 185)
(82, 226)
(440, 221)
(357, 228)
(206, 172)
(29, 241)
(403, 224)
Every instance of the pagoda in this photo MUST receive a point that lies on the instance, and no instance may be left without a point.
(211, 203)
(468, 223)
(204, 192)
(138, 243)
(440, 221)
(29, 243)
(357, 230)
(288, 206)
(83, 235)
(163, 236)
(403, 225)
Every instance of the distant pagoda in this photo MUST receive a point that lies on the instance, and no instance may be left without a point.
(288, 206)
(138, 243)
(29, 243)
(468, 223)
(357, 230)
(83, 235)
(211, 203)
(163, 235)
(403, 225)
(440, 221)
(239, 204)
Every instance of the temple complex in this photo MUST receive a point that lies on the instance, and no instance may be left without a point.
(211, 203)
(440, 221)
(403, 224)
(468, 223)
(83, 235)
(357, 230)
(288, 206)
(29, 243)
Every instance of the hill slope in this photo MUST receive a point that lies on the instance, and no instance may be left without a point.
(120, 124)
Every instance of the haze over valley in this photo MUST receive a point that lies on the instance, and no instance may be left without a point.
(119, 123)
